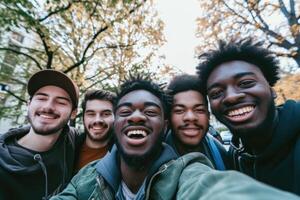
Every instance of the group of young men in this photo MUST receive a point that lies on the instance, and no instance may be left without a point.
(152, 143)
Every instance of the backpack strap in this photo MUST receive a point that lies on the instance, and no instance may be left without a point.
(215, 154)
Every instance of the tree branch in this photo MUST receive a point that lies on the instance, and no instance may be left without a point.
(101, 30)
(55, 12)
(24, 54)
(48, 52)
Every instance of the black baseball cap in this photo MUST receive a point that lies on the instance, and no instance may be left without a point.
(56, 78)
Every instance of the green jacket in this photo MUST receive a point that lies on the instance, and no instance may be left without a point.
(188, 177)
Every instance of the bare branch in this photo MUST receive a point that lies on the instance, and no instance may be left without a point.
(284, 9)
(55, 12)
(48, 52)
(14, 95)
(24, 54)
(101, 30)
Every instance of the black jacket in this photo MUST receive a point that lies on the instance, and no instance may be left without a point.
(39, 174)
(279, 163)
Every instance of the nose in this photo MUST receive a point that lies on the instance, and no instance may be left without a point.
(48, 105)
(137, 117)
(98, 118)
(189, 116)
(233, 96)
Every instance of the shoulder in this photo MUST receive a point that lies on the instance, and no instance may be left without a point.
(86, 174)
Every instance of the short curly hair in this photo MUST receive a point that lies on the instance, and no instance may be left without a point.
(185, 82)
(245, 50)
(143, 82)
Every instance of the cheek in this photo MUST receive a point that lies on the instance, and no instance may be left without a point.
(110, 121)
(175, 119)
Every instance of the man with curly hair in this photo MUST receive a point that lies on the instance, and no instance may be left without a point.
(140, 166)
(238, 78)
(189, 121)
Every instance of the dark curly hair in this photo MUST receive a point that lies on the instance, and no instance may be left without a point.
(97, 94)
(245, 50)
(142, 82)
(185, 82)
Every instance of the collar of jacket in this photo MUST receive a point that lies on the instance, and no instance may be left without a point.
(108, 166)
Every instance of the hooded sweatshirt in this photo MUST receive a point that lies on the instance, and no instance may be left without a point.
(279, 163)
(41, 174)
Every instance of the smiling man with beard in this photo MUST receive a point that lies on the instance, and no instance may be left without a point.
(98, 118)
(238, 78)
(189, 121)
(142, 167)
(40, 157)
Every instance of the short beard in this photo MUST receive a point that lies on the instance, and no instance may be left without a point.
(50, 131)
(142, 161)
(106, 138)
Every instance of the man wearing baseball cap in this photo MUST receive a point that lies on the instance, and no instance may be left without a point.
(40, 156)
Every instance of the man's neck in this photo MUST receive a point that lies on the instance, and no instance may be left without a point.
(96, 144)
(132, 177)
(263, 136)
(39, 143)
(184, 149)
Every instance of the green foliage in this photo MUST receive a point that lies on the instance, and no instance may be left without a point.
(95, 42)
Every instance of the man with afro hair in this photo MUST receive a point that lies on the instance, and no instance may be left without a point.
(238, 79)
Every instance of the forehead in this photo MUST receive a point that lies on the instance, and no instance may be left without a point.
(97, 104)
(190, 97)
(138, 97)
(232, 69)
(51, 90)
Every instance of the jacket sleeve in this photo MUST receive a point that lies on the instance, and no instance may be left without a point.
(69, 193)
(199, 181)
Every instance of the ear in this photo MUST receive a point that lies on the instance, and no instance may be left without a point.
(273, 92)
(74, 113)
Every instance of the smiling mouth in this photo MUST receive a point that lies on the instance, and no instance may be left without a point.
(47, 116)
(136, 134)
(240, 111)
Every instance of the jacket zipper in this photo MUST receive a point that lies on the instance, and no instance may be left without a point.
(161, 170)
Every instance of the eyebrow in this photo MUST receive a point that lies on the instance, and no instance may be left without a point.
(236, 76)
(130, 105)
(58, 97)
(91, 110)
(182, 105)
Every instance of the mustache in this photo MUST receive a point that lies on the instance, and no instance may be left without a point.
(188, 124)
(48, 111)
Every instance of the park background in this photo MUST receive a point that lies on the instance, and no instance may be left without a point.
(98, 42)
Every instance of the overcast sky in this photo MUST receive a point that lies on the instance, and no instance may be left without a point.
(179, 17)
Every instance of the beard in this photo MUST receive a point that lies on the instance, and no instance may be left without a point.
(139, 162)
(108, 135)
(47, 130)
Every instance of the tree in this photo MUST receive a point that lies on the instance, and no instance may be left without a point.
(95, 42)
(275, 22)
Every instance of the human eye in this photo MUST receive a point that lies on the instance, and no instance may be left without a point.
(40, 98)
(123, 112)
(247, 83)
(107, 113)
(215, 93)
(62, 102)
(151, 112)
(90, 114)
(178, 110)
(200, 110)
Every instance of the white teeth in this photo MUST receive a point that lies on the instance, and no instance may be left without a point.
(136, 132)
(240, 111)
(47, 116)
